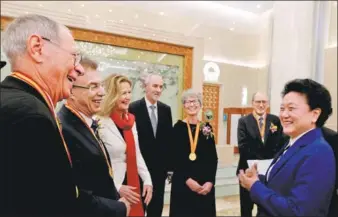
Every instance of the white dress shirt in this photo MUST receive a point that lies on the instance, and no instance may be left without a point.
(88, 120)
(291, 142)
(116, 146)
(150, 110)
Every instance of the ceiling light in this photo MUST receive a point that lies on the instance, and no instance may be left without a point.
(96, 15)
(232, 29)
(153, 34)
(233, 23)
(142, 53)
(136, 16)
(40, 5)
(110, 10)
(144, 25)
(335, 3)
(258, 6)
(209, 38)
(165, 39)
(121, 21)
(118, 62)
(82, 5)
(69, 10)
(26, 12)
(161, 13)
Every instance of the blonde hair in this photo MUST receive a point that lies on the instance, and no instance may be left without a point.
(112, 86)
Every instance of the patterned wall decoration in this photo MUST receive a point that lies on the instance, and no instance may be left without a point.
(211, 106)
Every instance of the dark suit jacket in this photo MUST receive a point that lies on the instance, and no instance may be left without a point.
(332, 138)
(154, 150)
(250, 143)
(98, 195)
(301, 182)
(35, 173)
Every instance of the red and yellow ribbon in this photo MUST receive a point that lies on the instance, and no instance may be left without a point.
(50, 104)
(90, 129)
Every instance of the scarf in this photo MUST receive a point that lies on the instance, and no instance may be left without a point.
(126, 123)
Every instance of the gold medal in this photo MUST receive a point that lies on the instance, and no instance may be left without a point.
(193, 142)
(192, 156)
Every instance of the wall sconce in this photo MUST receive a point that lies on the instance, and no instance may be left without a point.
(211, 72)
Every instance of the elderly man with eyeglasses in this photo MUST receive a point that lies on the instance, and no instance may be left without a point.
(92, 167)
(36, 166)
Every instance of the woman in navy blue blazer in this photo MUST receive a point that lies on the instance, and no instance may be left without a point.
(300, 180)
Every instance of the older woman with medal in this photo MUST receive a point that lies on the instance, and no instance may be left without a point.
(194, 163)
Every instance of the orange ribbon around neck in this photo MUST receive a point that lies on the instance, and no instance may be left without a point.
(193, 142)
(50, 104)
(93, 133)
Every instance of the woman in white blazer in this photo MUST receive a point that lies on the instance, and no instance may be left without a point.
(117, 130)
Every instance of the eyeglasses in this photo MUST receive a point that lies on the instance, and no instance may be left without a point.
(91, 87)
(261, 101)
(194, 102)
(77, 56)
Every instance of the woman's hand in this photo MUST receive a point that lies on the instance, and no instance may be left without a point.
(148, 193)
(127, 192)
(193, 185)
(206, 188)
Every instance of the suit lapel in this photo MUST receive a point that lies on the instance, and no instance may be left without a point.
(113, 128)
(82, 128)
(147, 118)
(267, 128)
(292, 151)
(159, 117)
(254, 128)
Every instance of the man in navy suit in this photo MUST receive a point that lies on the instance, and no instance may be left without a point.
(301, 179)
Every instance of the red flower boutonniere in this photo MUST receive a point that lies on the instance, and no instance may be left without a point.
(273, 128)
(206, 130)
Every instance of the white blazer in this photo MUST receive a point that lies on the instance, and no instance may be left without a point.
(116, 147)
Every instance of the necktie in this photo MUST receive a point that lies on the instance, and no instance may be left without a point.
(94, 127)
(260, 123)
(153, 119)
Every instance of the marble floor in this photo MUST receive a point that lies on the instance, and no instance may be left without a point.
(226, 206)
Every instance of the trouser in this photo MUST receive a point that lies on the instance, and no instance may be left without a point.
(246, 202)
(155, 206)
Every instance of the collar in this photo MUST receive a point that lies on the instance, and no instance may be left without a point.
(292, 141)
(257, 116)
(88, 120)
(149, 104)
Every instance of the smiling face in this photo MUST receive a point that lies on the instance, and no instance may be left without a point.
(260, 103)
(89, 93)
(296, 116)
(192, 106)
(123, 101)
(57, 69)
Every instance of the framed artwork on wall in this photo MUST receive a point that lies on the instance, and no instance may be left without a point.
(135, 57)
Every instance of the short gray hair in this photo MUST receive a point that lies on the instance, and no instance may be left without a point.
(15, 37)
(191, 93)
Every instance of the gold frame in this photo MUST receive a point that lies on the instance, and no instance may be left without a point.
(131, 42)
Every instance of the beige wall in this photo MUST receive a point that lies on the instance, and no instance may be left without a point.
(330, 81)
(235, 77)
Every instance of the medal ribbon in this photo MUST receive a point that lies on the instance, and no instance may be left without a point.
(50, 104)
(193, 143)
(91, 130)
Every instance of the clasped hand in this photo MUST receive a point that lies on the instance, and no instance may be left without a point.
(248, 178)
(194, 186)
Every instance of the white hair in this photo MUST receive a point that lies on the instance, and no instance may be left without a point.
(191, 93)
(148, 77)
(15, 37)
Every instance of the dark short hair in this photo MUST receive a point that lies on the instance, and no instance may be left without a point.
(86, 63)
(317, 96)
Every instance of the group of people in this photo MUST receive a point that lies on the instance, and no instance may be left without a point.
(301, 179)
(101, 154)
